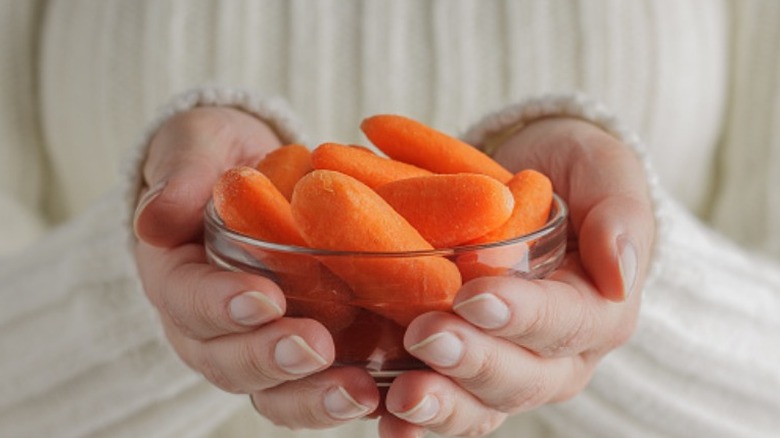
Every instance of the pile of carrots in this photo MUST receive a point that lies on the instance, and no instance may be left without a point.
(430, 191)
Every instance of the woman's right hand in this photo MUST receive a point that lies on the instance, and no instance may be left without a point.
(229, 326)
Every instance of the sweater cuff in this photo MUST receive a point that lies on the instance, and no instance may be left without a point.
(274, 111)
(495, 128)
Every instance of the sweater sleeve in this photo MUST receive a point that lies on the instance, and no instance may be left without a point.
(82, 351)
(705, 358)
(21, 160)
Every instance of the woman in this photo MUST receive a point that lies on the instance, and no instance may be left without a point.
(695, 80)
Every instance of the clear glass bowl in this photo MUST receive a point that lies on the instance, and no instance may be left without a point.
(369, 333)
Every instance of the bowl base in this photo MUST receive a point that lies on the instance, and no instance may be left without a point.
(384, 379)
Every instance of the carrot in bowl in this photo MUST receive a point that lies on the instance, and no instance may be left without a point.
(413, 142)
(337, 212)
(249, 203)
(450, 209)
(285, 166)
(362, 164)
(533, 195)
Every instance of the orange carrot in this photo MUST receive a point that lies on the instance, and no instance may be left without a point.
(362, 164)
(533, 194)
(450, 209)
(412, 142)
(337, 212)
(285, 166)
(249, 203)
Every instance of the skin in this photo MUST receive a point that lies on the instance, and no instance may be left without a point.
(555, 332)
(193, 298)
(558, 328)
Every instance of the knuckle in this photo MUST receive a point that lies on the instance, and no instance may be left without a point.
(205, 312)
(216, 375)
(172, 312)
(189, 310)
(247, 360)
(486, 425)
(456, 424)
(572, 339)
(295, 412)
(532, 319)
(524, 398)
(485, 373)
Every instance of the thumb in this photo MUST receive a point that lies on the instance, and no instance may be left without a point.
(186, 157)
(170, 211)
(615, 237)
(605, 187)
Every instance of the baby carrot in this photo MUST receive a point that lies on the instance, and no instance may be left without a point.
(362, 164)
(533, 194)
(285, 166)
(249, 203)
(412, 142)
(337, 212)
(450, 209)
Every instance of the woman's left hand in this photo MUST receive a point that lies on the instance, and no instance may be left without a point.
(513, 344)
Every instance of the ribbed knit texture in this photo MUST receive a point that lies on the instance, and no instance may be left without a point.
(81, 353)
(21, 169)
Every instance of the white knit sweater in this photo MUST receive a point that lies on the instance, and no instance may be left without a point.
(81, 353)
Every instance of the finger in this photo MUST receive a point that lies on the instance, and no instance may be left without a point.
(326, 399)
(284, 350)
(390, 426)
(605, 187)
(562, 315)
(615, 243)
(499, 373)
(185, 159)
(437, 403)
(202, 301)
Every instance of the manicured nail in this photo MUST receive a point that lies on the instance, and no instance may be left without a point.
(484, 310)
(342, 406)
(145, 200)
(442, 349)
(423, 411)
(295, 356)
(628, 262)
(253, 308)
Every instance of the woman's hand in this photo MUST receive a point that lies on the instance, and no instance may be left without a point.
(513, 344)
(229, 326)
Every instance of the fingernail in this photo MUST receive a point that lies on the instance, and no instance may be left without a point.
(442, 349)
(145, 200)
(295, 356)
(423, 411)
(628, 262)
(253, 308)
(484, 310)
(342, 406)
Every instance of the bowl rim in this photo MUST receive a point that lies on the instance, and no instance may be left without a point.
(559, 217)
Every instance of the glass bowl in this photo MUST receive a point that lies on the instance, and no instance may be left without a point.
(369, 332)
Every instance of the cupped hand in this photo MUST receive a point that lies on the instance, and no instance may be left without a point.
(513, 344)
(229, 326)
